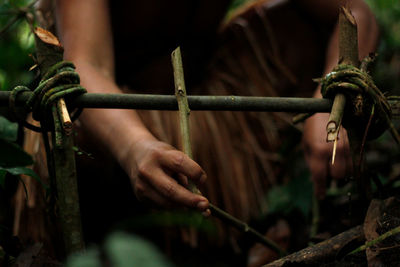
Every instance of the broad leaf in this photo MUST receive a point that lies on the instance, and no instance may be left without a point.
(124, 250)
(8, 130)
(22, 170)
(13, 156)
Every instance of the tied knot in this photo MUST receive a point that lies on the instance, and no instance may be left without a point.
(364, 99)
(60, 81)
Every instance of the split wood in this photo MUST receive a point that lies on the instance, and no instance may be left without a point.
(184, 112)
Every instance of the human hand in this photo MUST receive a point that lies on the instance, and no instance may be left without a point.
(318, 153)
(159, 174)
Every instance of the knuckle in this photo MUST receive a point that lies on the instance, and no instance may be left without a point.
(169, 190)
(143, 170)
(156, 153)
(140, 190)
(177, 160)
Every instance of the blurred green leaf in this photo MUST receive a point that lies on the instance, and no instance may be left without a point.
(13, 156)
(16, 45)
(8, 130)
(297, 194)
(124, 250)
(91, 258)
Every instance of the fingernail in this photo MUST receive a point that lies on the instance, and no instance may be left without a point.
(206, 213)
(202, 205)
(203, 178)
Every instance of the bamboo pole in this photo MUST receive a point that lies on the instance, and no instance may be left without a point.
(49, 51)
(348, 54)
(184, 112)
(204, 102)
(168, 102)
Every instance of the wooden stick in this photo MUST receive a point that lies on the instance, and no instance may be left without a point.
(49, 52)
(64, 116)
(48, 39)
(323, 252)
(335, 118)
(348, 54)
(184, 112)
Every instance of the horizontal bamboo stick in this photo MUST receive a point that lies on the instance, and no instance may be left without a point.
(168, 102)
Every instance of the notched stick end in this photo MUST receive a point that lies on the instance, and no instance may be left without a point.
(347, 13)
(332, 131)
(47, 37)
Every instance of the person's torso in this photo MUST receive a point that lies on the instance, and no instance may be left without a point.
(146, 32)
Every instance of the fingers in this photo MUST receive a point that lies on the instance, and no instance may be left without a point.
(158, 173)
(170, 189)
(147, 194)
(180, 163)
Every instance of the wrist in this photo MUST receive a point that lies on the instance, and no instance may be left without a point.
(126, 146)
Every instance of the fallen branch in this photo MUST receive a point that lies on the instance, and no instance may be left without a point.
(323, 252)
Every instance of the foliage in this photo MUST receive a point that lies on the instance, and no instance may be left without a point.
(8, 130)
(122, 250)
(387, 70)
(13, 158)
(16, 44)
(297, 194)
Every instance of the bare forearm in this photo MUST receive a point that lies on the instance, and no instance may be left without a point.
(117, 129)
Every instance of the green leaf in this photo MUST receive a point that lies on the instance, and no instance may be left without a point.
(297, 194)
(25, 171)
(13, 156)
(91, 258)
(8, 130)
(125, 250)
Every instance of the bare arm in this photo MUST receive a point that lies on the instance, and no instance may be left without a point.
(85, 31)
(317, 151)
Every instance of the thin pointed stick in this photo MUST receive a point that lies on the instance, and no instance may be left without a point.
(184, 112)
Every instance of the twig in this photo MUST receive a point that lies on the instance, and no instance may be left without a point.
(9, 24)
(365, 137)
(184, 112)
(382, 237)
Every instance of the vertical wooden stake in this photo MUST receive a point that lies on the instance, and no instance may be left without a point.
(50, 52)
